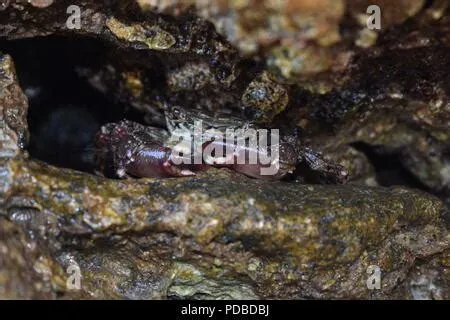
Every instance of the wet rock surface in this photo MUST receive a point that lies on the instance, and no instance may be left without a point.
(380, 110)
(199, 236)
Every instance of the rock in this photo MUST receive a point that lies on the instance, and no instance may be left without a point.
(287, 240)
(13, 125)
(431, 279)
(26, 270)
(391, 105)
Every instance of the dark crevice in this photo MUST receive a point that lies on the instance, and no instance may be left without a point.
(64, 110)
(388, 166)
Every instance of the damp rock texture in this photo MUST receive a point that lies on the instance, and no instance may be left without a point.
(376, 102)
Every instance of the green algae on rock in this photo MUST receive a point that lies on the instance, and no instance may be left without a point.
(313, 231)
(13, 125)
(152, 36)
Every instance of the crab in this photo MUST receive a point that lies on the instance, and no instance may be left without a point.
(131, 149)
(126, 148)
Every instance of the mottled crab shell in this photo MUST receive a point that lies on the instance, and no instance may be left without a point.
(129, 148)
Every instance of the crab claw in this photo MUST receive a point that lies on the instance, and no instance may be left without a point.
(176, 171)
(131, 149)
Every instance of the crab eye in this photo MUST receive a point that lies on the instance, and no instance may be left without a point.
(177, 114)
